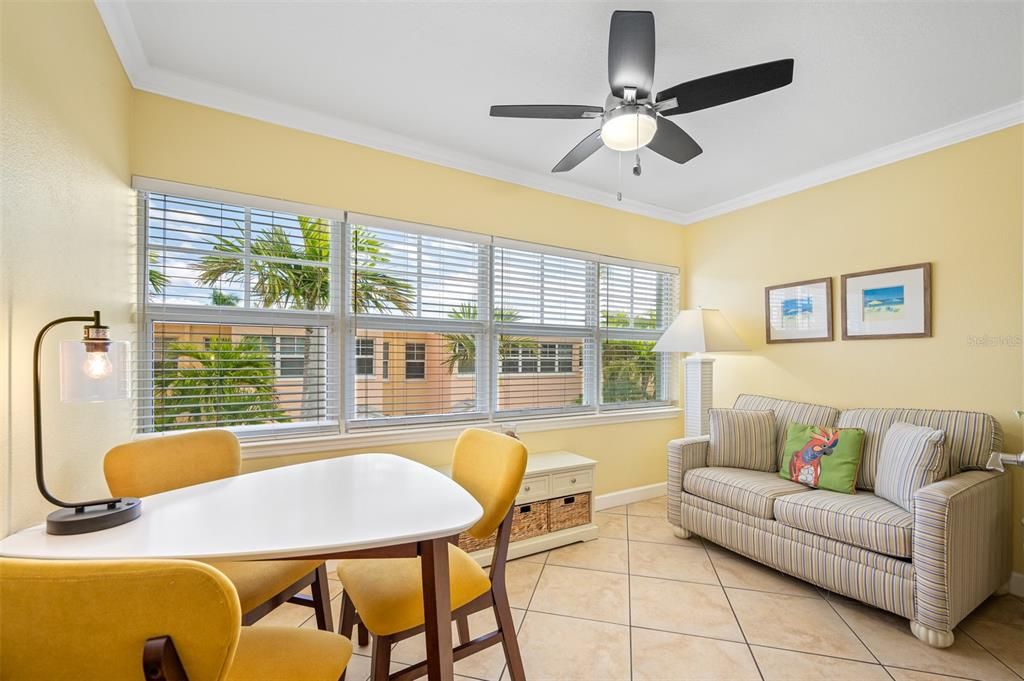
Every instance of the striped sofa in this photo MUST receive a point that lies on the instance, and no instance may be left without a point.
(932, 566)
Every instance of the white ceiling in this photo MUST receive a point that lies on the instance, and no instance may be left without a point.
(418, 78)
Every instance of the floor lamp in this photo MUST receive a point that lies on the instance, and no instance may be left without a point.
(698, 331)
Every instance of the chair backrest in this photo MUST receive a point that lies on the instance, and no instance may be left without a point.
(489, 466)
(158, 464)
(71, 620)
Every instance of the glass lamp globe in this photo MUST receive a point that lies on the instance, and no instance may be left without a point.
(628, 127)
(94, 371)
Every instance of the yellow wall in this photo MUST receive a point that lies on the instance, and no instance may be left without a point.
(959, 208)
(173, 140)
(68, 236)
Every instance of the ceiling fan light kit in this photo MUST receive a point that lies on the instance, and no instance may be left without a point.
(634, 114)
(629, 127)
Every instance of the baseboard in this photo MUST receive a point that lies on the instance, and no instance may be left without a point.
(629, 496)
(1017, 584)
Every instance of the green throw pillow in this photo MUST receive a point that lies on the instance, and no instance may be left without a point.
(825, 458)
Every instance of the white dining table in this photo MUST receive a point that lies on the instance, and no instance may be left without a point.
(359, 506)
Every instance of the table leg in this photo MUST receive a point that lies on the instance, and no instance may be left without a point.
(437, 609)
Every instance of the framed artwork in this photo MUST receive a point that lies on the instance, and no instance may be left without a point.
(891, 303)
(800, 312)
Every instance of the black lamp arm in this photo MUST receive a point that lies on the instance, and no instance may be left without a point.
(38, 417)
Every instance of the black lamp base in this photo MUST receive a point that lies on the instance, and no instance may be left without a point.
(92, 518)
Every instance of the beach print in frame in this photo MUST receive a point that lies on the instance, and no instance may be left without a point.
(890, 303)
(799, 312)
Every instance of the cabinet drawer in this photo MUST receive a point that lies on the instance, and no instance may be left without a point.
(573, 481)
(536, 487)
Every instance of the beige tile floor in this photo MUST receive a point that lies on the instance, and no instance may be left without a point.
(640, 604)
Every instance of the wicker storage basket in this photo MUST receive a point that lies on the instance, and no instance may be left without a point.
(470, 544)
(528, 520)
(570, 511)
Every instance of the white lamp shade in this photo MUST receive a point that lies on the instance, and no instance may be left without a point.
(700, 330)
(93, 376)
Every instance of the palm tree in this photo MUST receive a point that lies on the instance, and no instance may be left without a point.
(157, 280)
(629, 367)
(283, 277)
(461, 347)
(226, 382)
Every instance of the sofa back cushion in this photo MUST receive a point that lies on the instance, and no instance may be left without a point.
(912, 457)
(742, 439)
(787, 412)
(970, 436)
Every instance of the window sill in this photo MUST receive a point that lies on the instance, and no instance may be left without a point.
(259, 449)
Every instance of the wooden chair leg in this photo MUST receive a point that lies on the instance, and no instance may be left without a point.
(322, 599)
(348, 617)
(462, 625)
(507, 627)
(380, 663)
(364, 633)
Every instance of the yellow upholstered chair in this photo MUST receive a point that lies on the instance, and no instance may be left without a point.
(387, 594)
(110, 620)
(159, 464)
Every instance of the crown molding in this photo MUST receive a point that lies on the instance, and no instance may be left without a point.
(143, 76)
(983, 124)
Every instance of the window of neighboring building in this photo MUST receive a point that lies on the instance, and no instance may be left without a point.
(385, 360)
(364, 356)
(415, 361)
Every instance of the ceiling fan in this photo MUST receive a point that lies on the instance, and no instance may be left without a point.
(633, 115)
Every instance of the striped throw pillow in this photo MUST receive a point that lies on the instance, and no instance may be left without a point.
(912, 457)
(742, 439)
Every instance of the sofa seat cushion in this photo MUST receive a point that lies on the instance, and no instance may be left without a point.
(752, 492)
(860, 519)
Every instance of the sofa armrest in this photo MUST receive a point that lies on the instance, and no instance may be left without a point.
(683, 454)
(962, 545)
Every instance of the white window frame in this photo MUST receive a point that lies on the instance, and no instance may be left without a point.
(154, 312)
(340, 324)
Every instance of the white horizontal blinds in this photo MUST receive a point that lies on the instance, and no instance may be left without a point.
(419, 329)
(636, 306)
(545, 323)
(239, 321)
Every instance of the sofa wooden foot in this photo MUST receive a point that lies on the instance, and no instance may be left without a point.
(1003, 590)
(681, 533)
(933, 637)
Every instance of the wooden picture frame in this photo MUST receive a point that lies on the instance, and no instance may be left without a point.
(803, 300)
(901, 304)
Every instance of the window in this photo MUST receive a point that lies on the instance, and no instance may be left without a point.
(636, 305)
(364, 356)
(415, 361)
(545, 315)
(421, 290)
(243, 301)
(238, 317)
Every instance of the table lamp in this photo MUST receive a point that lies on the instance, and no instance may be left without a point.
(94, 369)
(698, 331)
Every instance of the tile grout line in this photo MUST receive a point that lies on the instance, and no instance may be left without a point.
(728, 600)
(832, 606)
(629, 601)
(982, 646)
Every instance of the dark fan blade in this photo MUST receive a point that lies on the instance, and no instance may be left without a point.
(729, 86)
(673, 143)
(545, 111)
(631, 52)
(580, 152)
